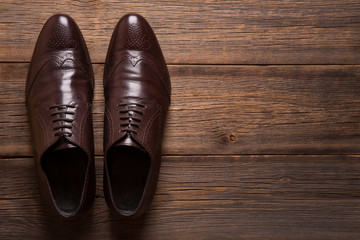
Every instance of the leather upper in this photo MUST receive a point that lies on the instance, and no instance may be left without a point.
(137, 97)
(59, 93)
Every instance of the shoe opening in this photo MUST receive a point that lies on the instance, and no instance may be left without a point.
(128, 169)
(65, 170)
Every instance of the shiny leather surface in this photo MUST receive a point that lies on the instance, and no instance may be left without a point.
(137, 97)
(59, 93)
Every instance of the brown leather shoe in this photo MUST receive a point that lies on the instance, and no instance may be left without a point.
(59, 93)
(137, 95)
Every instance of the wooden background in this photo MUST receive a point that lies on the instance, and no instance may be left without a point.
(263, 135)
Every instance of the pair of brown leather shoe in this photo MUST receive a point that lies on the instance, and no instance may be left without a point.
(59, 94)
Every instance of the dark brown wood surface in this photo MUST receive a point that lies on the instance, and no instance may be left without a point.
(227, 110)
(263, 135)
(198, 31)
(248, 197)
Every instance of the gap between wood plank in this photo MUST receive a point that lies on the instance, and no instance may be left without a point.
(211, 64)
(269, 110)
(213, 155)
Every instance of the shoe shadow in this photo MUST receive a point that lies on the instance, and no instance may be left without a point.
(36, 216)
(55, 228)
(124, 228)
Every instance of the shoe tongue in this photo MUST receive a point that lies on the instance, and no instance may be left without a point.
(128, 141)
(63, 143)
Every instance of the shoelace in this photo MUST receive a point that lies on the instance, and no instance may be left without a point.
(60, 116)
(131, 114)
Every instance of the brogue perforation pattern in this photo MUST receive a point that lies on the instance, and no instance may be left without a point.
(61, 39)
(135, 39)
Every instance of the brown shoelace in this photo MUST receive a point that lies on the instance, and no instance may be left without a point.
(61, 115)
(131, 114)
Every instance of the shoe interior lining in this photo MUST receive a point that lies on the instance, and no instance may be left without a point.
(65, 170)
(128, 169)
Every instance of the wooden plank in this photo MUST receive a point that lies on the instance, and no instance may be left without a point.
(227, 110)
(247, 197)
(210, 32)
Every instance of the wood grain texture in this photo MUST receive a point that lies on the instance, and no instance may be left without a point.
(226, 110)
(202, 32)
(283, 100)
(247, 197)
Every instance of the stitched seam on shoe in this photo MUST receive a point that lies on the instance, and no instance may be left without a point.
(145, 58)
(149, 125)
(158, 72)
(122, 58)
(44, 131)
(86, 187)
(60, 60)
(88, 105)
(32, 82)
(110, 121)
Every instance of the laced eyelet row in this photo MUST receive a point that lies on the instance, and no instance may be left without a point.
(63, 117)
(131, 116)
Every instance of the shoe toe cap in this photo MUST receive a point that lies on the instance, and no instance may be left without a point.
(133, 32)
(59, 33)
